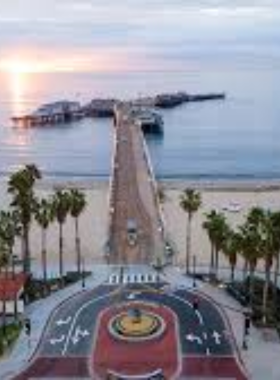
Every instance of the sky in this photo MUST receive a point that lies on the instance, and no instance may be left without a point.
(108, 35)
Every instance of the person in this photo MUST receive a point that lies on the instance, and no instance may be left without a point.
(195, 303)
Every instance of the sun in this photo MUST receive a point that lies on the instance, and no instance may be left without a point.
(19, 66)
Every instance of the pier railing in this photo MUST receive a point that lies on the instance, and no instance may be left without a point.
(111, 191)
(155, 189)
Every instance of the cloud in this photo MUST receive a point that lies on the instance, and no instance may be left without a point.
(141, 30)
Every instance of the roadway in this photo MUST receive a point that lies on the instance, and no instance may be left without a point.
(68, 343)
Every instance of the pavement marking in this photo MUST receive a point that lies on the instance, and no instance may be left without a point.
(62, 322)
(131, 296)
(199, 316)
(194, 338)
(79, 333)
(78, 312)
(217, 337)
(133, 278)
(55, 341)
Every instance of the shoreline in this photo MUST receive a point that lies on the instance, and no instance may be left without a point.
(232, 185)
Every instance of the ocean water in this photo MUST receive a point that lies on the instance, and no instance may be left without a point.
(238, 138)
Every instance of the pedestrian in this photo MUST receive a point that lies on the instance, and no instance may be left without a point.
(195, 303)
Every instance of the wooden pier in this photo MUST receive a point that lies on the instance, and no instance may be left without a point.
(133, 197)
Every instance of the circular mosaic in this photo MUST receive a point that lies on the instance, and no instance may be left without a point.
(136, 324)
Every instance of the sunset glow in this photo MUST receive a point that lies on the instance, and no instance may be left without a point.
(64, 61)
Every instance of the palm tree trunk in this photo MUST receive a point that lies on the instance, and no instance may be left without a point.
(211, 268)
(26, 251)
(276, 273)
(265, 293)
(251, 284)
(61, 266)
(216, 263)
(78, 245)
(245, 270)
(188, 244)
(275, 282)
(44, 255)
(232, 274)
(5, 300)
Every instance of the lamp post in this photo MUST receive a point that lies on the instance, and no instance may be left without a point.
(194, 271)
(83, 273)
(158, 267)
(246, 329)
(14, 258)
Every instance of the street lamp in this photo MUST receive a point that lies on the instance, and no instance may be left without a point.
(83, 273)
(194, 271)
(246, 330)
(14, 258)
(158, 267)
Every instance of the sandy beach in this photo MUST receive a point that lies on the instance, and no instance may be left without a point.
(93, 226)
(233, 199)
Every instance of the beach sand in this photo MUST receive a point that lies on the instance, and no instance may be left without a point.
(233, 199)
(94, 221)
(93, 227)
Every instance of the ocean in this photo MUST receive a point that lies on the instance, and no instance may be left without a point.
(238, 138)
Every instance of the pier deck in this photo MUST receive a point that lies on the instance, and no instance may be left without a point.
(133, 196)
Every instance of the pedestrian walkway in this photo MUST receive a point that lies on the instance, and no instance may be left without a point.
(39, 312)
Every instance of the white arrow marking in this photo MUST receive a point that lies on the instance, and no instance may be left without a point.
(62, 322)
(193, 338)
(54, 341)
(217, 337)
(79, 334)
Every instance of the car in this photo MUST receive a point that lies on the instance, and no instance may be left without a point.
(131, 230)
(232, 207)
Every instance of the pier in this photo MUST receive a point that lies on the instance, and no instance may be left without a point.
(136, 228)
(68, 111)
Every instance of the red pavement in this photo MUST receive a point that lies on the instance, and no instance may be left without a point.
(129, 358)
(213, 367)
(47, 367)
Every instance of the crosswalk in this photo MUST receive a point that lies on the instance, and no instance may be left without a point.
(133, 278)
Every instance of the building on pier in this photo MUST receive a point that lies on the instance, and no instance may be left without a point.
(51, 113)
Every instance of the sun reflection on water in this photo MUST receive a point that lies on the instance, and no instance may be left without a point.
(18, 86)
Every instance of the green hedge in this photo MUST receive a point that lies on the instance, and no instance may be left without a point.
(8, 336)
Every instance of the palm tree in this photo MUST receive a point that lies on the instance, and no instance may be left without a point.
(21, 187)
(44, 215)
(9, 230)
(190, 201)
(231, 249)
(275, 219)
(77, 206)
(250, 247)
(4, 261)
(271, 247)
(61, 208)
(218, 230)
